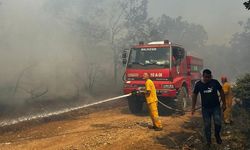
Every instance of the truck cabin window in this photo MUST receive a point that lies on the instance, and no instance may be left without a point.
(178, 55)
(149, 58)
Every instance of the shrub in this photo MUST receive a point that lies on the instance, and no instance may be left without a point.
(242, 89)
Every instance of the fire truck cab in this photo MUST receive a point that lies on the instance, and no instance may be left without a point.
(172, 71)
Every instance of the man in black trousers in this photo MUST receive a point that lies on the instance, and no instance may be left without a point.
(208, 88)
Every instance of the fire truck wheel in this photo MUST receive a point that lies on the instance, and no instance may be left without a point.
(182, 99)
(135, 104)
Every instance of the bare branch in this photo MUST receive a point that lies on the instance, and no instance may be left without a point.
(19, 78)
(41, 94)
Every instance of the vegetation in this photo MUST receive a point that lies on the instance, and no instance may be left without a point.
(233, 58)
(242, 87)
(247, 4)
(98, 44)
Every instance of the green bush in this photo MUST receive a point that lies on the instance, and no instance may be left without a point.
(242, 87)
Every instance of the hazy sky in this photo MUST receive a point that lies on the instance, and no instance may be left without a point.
(219, 17)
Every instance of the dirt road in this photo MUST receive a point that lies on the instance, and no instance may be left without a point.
(109, 126)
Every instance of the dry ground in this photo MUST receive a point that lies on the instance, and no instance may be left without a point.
(108, 126)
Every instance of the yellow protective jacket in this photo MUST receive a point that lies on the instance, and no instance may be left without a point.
(229, 100)
(149, 85)
(228, 91)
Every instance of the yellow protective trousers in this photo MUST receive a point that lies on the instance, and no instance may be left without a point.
(228, 112)
(153, 111)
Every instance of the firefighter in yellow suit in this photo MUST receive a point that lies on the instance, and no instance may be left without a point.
(152, 102)
(229, 100)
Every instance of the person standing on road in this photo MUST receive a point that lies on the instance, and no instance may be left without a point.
(229, 100)
(152, 102)
(208, 89)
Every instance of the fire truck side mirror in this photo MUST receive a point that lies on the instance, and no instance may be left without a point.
(124, 56)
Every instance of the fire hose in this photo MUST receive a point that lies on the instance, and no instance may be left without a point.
(133, 93)
(171, 108)
(163, 104)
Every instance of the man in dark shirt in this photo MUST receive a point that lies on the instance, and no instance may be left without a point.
(208, 89)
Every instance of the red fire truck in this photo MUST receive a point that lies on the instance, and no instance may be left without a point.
(172, 71)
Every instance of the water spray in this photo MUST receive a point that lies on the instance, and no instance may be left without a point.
(66, 110)
(44, 115)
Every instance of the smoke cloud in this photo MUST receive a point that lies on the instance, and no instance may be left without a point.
(44, 48)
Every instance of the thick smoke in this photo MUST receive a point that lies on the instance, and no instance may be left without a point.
(46, 51)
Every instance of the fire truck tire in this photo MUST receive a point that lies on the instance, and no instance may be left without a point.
(182, 99)
(135, 104)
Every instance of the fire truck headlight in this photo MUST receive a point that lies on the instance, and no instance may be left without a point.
(168, 86)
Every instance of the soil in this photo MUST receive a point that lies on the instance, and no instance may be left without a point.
(112, 126)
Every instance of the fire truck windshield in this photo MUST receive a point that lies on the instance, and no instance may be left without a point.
(149, 58)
